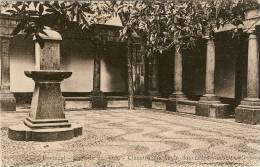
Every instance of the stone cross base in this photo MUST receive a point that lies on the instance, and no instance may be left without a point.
(7, 101)
(46, 120)
(248, 112)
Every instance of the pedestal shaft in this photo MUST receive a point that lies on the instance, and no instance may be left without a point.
(47, 101)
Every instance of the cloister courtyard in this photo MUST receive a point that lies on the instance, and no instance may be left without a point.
(118, 84)
(137, 138)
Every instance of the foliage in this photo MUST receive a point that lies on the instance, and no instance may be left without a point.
(35, 15)
(162, 24)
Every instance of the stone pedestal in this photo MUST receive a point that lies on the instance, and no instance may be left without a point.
(209, 104)
(98, 99)
(177, 94)
(249, 109)
(7, 99)
(46, 120)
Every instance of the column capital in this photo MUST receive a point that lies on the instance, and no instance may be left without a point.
(252, 30)
(253, 34)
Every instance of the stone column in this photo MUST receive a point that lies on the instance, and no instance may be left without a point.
(98, 100)
(153, 77)
(209, 104)
(46, 120)
(178, 74)
(7, 99)
(177, 93)
(253, 68)
(210, 72)
(249, 109)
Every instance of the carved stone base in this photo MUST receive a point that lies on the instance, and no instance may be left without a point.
(248, 111)
(98, 100)
(7, 101)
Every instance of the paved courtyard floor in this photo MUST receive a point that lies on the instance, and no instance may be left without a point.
(139, 138)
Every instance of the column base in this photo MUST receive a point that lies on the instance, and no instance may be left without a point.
(98, 100)
(173, 99)
(248, 111)
(7, 101)
(209, 98)
(210, 106)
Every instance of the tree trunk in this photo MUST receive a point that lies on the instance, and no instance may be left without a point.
(130, 78)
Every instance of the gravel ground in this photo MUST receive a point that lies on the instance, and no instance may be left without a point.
(139, 138)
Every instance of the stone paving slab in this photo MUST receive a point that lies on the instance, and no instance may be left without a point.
(137, 138)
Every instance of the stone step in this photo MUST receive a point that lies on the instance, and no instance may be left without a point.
(117, 103)
(47, 125)
(73, 103)
(159, 105)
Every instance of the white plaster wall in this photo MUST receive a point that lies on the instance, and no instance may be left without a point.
(76, 56)
(21, 59)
